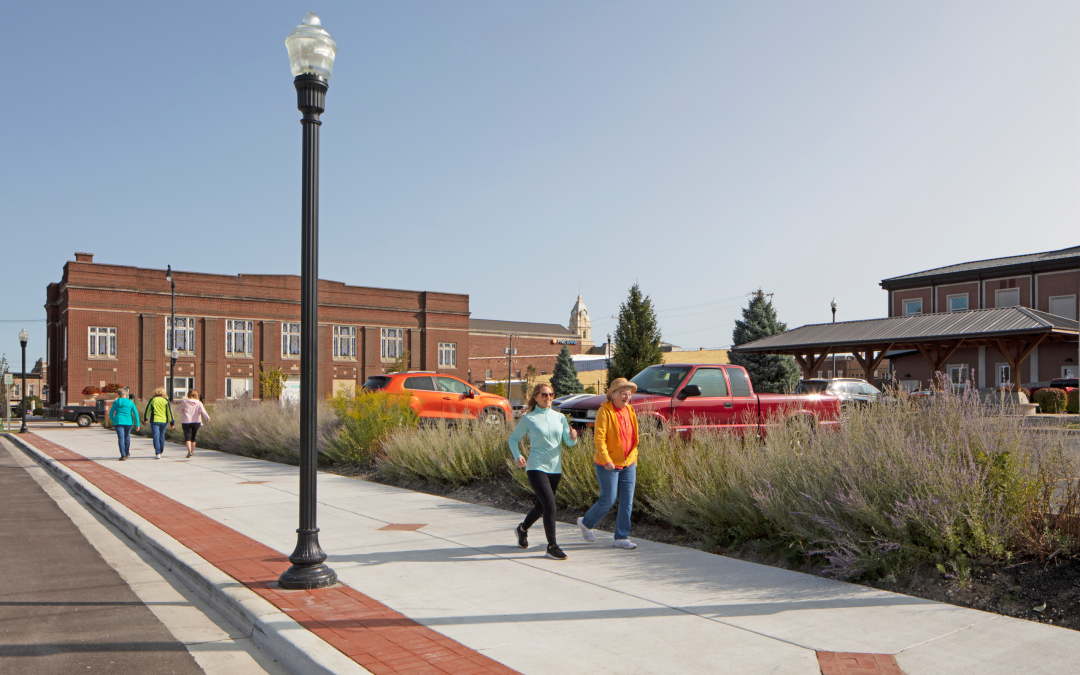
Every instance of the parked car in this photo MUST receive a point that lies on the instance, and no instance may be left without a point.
(438, 396)
(1065, 383)
(852, 391)
(558, 403)
(685, 397)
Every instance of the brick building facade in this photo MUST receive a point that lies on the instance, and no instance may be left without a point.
(534, 344)
(1048, 282)
(110, 323)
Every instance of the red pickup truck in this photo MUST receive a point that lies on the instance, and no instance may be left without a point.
(687, 396)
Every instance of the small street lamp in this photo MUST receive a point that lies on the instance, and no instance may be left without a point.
(23, 338)
(311, 58)
(172, 331)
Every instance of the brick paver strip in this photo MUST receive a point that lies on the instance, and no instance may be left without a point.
(846, 663)
(367, 631)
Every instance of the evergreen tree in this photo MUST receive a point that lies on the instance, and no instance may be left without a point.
(637, 338)
(564, 378)
(769, 373)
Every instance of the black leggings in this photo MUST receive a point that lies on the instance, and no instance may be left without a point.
(191, 430)
(544, 485)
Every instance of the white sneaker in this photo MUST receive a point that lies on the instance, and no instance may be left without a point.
(157, 456)
(590, 536)
(624, 543)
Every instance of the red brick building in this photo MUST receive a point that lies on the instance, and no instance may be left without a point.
(1048, 282)
(110, 323)
(532, 344)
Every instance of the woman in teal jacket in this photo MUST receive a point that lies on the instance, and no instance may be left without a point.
(124, 415)
(547, 430)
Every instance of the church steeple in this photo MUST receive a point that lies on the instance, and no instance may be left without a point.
(579, 323)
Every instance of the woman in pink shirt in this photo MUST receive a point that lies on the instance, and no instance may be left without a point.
(192, 413)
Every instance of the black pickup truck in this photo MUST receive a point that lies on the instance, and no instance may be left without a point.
(84, 415)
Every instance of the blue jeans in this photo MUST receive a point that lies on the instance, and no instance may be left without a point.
(614, 483)
(159, 436)
(123, 436)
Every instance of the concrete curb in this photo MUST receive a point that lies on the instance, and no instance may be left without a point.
(294, 646)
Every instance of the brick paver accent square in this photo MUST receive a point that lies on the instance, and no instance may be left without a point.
(847, 663)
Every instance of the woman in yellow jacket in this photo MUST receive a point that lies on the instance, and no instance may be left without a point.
(615, 435)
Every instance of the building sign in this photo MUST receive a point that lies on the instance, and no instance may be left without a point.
(563, 342)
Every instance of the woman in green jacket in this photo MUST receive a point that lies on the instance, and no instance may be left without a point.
(124, 415)
(158, 414)
(547, 431)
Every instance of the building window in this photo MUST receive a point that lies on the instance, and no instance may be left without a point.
(448, 355)
(391, 343)
(959, 374)
(487, 374)
(29, 390)
(238, 387)
(290, 339)
(239, 337)
(102, 342)
(181, 386)
(345, 342)
(185, 335)
(958, 303)
(912, 307)
(1063, 305)
(1003, 374)
(1007, 297)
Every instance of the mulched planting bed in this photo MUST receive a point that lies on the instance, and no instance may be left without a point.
(1026, 588)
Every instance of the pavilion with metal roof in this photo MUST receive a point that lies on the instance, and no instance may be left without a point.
(1013, 331)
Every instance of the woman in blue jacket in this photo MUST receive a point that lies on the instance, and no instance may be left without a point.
(547, 430)
(124, 415)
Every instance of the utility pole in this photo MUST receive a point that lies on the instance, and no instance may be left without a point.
(833, 305)
(509, 365)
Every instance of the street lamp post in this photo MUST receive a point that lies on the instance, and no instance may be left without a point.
(833, 305)
(172, 332)
(23, 338)
(311, 57)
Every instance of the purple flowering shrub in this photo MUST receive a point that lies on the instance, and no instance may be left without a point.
(933, 480)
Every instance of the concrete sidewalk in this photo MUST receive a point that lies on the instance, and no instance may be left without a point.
(658, 609)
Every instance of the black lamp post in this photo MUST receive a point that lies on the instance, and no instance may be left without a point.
(833, 305)
(311, 57)
(23, 337)
(172, 332)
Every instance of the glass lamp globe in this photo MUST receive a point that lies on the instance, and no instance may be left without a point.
(311, 51)
(23, 335)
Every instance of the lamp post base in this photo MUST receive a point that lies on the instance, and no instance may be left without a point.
(308, 569)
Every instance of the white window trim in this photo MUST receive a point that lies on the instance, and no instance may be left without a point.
(93, 334)
(384, 342)
(997, 297)
(249, 342)
(965, 296)
(997, 372)
(189, 340)
(904, 306)
(286, 339)
(962, 366)
(1052, 298)
(249, 381)
(340, 335)
(451, 349)
(180, 393)
(1071, 371)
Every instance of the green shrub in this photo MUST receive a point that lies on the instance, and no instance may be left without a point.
(362, 421)
(1073, 398)
(1051, 400)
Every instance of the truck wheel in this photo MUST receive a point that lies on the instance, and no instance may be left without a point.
(83, 420)
(492, 416)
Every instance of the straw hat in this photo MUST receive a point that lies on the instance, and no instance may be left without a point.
(620, 383)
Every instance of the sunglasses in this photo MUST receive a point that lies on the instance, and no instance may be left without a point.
(545, 393)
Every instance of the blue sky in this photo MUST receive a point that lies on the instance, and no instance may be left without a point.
(515, 151)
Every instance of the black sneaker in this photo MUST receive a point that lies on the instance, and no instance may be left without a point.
(555, 553)
(522, 537)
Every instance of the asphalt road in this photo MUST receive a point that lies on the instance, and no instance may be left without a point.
(63, 609)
